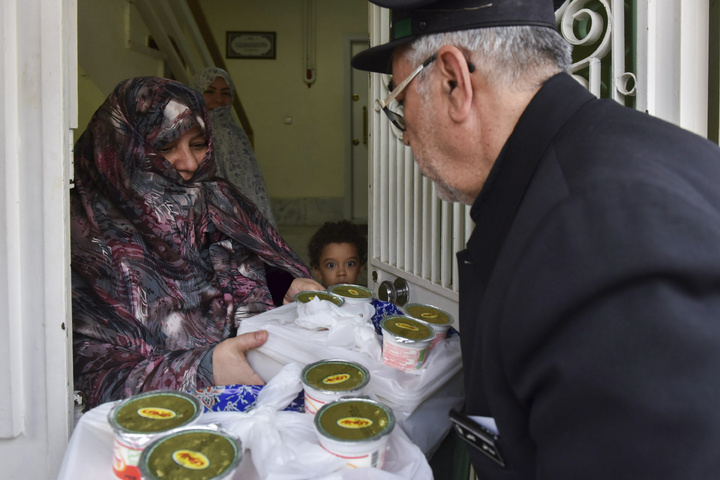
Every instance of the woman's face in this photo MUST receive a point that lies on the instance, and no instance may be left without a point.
(217, 94)
(186, 152)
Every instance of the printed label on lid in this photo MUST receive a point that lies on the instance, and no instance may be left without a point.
(354, 422)
(335, 379)
(407, 327)
(156, 413)
(191, 459)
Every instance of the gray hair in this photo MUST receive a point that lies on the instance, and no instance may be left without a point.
(515, 57)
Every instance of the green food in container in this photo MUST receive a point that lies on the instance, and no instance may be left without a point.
(335, 376)
(192, 454)
(354, 419)
(428, 313)
(305, 297)
(154, 412)
(406, 329)
(351, 291)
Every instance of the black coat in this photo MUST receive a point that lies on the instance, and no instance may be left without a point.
(590, 296)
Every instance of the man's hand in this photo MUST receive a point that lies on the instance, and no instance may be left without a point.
(230, 367)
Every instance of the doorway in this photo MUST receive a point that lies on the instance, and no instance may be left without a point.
(356, 176)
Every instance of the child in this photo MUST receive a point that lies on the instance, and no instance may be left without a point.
(338, 253)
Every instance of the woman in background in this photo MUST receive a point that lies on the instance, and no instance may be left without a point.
(234, 155)
(167, 259)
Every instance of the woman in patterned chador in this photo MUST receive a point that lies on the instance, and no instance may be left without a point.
(167, 259)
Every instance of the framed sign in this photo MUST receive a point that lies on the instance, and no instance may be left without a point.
(256, 45)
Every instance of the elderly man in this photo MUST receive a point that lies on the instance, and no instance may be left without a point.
(590, 288)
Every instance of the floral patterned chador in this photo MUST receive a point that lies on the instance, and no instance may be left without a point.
(163, 269)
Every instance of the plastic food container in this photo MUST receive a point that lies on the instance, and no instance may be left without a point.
(142, 418)
(352, 293)
(192, 454)
(439, 320)
(329, 380)
(356, 429)
(305, 297)
(406, 342)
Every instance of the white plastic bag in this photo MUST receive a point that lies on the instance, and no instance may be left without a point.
(278, 445)
(320, 330)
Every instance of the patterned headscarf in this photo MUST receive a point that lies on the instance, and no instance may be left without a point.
(162, 268)
(234, 154)
(206, 76)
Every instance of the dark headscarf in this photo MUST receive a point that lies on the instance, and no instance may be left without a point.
(162, 268)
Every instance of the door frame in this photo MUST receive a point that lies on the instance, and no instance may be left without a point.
(348, 41)
(38, 112)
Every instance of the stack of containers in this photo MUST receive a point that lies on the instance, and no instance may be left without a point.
(421, 386)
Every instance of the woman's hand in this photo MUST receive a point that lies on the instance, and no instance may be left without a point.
(230, 367)
(301, 285)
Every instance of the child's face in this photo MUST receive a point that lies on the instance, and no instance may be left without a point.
(339, 263)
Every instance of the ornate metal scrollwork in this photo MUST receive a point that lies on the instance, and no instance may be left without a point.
(596, 29)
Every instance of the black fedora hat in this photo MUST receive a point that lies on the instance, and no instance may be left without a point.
(414, 18)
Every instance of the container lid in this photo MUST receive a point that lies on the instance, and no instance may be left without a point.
(351, 291)
(354, 420)
(305, 297)
(335, 376)
(406, 329)
(192, 454)
(428, 313)
(154, 412)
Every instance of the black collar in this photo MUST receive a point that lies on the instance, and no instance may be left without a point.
(495, 207)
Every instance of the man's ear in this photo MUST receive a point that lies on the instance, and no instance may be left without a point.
(456, 79)
(317, 274)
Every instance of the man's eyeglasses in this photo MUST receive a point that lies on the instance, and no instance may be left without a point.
(396, 117)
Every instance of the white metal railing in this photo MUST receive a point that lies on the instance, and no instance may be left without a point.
(416, 232)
